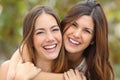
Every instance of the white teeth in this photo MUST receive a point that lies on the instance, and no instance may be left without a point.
(74, 42)
(49, 47)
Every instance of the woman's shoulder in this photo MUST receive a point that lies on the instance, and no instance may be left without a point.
(4, 65)
(3, 69)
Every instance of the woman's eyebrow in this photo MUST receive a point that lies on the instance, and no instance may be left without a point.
(54, 26)
(39, 29)
(44, 29)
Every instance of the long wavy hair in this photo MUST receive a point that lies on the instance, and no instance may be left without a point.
(59, 64)
(97, 54)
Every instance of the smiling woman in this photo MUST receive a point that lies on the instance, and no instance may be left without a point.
(86, 40)
(85, 36)
(42, 37)
(47, 40)
(41, 28)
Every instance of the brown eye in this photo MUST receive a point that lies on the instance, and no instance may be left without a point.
(74, 25)
(88, 31)
(39, 32)
(56, 29)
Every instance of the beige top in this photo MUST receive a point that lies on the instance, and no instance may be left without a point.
(82, 66)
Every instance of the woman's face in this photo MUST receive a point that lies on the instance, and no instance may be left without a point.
(47, 38)
(79, 35)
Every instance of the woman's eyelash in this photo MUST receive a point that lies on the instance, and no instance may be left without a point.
(88, 31)
(39, 32)
(56, 29)
(74, 24)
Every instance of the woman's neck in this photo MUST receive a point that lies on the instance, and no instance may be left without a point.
(75, 59)
(45, 65)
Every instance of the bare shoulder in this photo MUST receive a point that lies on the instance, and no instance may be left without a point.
(3, 69)
(5, 65)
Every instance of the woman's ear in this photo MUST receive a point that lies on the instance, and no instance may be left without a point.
(92, 43)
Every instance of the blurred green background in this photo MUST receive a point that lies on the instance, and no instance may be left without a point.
(12, 13)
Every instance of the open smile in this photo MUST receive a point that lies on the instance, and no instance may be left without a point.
(50, 48)
(73, 41)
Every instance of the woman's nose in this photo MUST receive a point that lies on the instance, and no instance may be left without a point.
(50, 37)
(77, 33)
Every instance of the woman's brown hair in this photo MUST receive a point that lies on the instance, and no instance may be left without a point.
(59, 64)
(97, 54)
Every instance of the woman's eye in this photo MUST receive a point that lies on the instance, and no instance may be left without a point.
(39, 32)
(57, 29)
(74, 25)
(88, 31)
